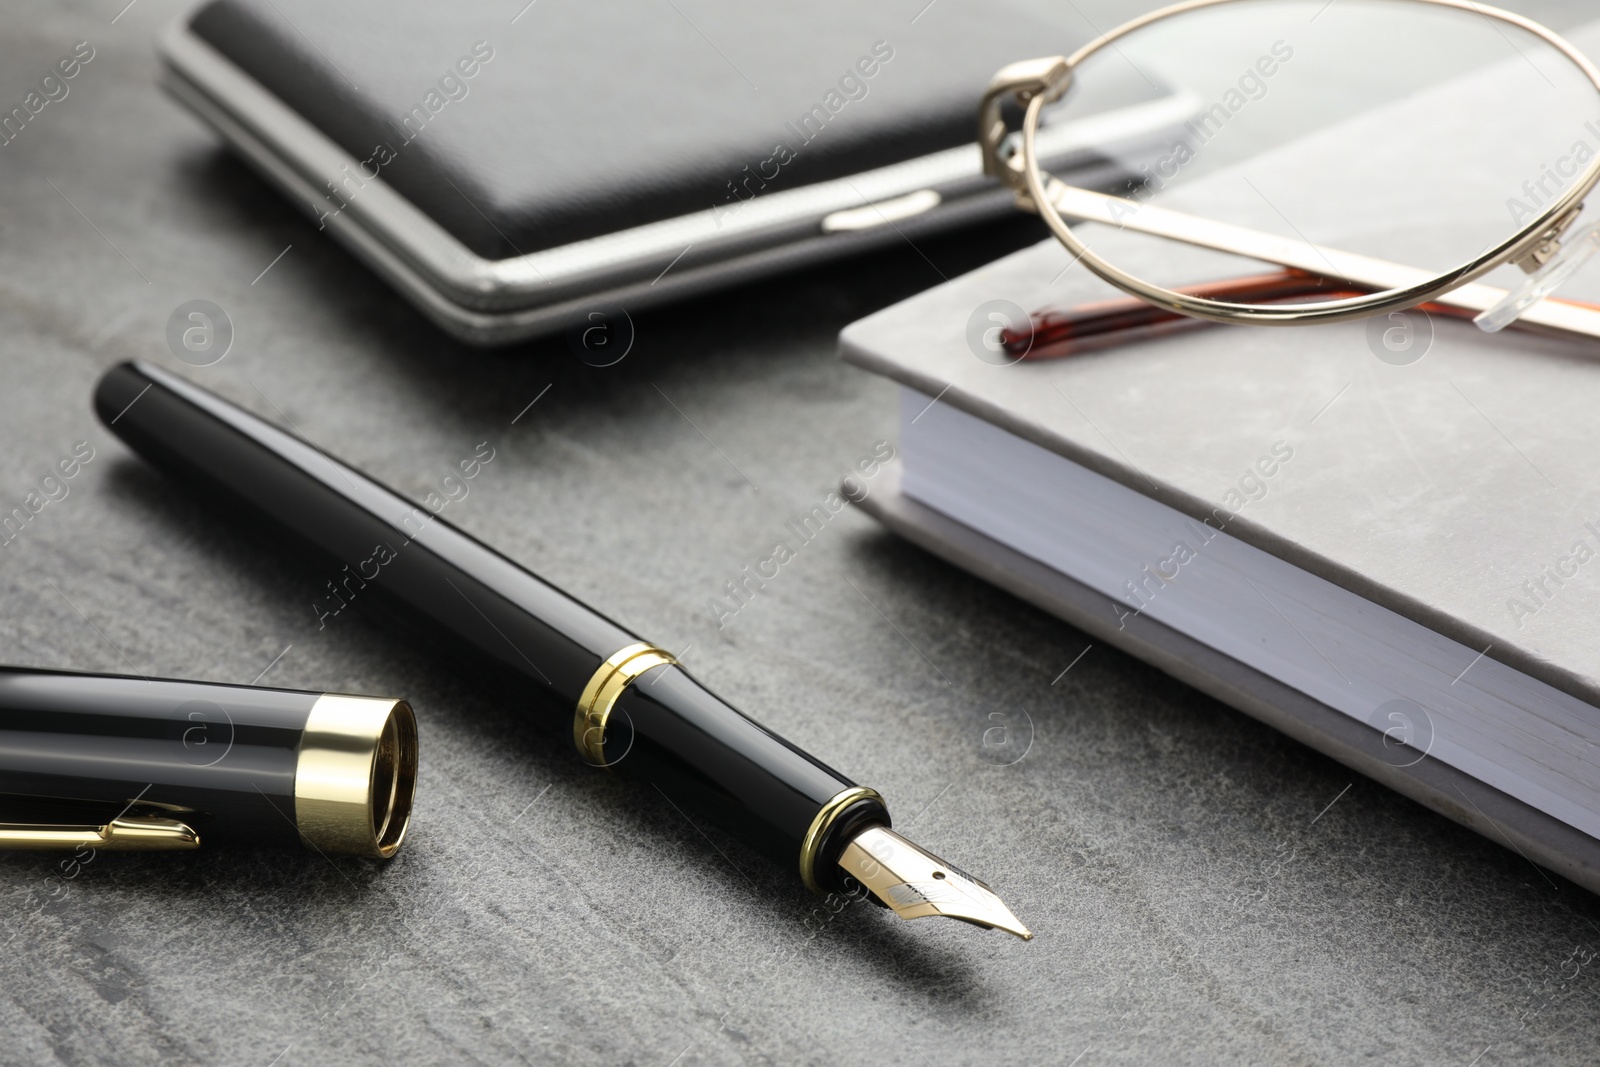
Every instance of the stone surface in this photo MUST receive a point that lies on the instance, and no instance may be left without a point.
(1196, 897)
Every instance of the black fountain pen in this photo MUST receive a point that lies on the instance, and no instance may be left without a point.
(636, 709)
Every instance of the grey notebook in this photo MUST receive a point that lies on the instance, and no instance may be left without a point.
(1397, 564)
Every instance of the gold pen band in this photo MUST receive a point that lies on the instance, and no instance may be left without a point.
(819, 829)
(600, 695)
(356, 774)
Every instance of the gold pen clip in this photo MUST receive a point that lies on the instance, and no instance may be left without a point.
(126, 833)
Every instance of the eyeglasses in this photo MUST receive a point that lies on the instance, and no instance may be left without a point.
(1548, 90)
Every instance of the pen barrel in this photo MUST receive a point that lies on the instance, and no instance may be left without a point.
(376, 544)
(720, 765)
(204, 763)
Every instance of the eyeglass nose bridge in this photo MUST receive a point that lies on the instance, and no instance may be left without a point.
(1024, 80)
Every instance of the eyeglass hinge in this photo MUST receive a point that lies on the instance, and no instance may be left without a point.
(1023, 81)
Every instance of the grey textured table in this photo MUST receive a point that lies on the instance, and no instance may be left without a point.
(1203, 890)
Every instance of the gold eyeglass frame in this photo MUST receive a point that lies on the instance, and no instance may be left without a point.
(1037, 83)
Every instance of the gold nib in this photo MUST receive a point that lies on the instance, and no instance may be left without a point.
(915, 883)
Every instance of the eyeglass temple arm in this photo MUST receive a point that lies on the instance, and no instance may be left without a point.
(1558, 318)
(1056, 331)
(1068, 330)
